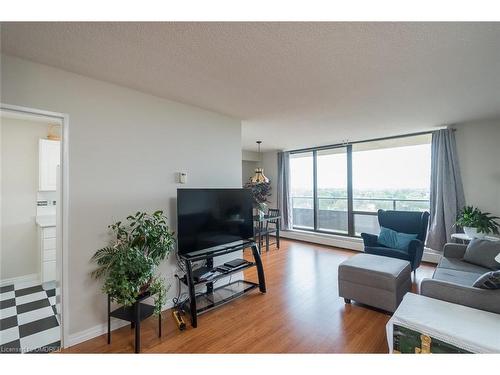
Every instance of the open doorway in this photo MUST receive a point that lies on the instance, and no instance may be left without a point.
(31, 250)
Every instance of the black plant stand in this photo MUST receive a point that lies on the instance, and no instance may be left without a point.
(133, 314)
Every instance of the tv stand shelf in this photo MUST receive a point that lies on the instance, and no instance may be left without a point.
(213, 297)
(223, 294)
(221, 276)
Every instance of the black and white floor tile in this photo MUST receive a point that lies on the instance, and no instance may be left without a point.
(28, 319)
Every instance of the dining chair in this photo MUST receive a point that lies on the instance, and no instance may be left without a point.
(271, 227)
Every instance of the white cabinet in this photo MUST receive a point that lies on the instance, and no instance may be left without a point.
(48, 253)
(49, 156)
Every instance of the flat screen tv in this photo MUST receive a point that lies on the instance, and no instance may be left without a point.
(210, 218)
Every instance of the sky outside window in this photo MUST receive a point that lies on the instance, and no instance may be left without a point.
(406, 167)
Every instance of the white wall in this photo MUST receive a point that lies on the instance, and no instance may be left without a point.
(249, 161)
(270, 165)
(250, 155)
(19, 178)
(124, 150)
(478, 147)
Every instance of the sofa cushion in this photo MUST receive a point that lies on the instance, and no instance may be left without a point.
(489, 280)
(483, 253)
(460, 265)
(455, 276)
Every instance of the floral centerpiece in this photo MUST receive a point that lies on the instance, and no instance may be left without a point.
(261, 192)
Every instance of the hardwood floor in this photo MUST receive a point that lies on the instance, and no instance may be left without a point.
(300, 313)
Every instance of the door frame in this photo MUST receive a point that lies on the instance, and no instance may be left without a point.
(62, 238)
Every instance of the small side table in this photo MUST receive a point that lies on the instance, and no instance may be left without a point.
(462, 237)
(133, 314)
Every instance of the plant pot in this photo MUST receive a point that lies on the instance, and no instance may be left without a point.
(473, 233)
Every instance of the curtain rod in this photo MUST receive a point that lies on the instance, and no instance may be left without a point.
(343, 144)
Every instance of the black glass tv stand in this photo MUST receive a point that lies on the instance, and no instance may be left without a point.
(201, 302)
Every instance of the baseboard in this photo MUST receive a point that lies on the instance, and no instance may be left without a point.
(343, 242)
(34, 277)
(325, 239)
(100, 329)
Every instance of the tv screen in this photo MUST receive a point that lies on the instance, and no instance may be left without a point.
(207, 218)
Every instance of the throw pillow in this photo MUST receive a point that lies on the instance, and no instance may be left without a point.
(489, 280)
(483, 253)
(395, 240)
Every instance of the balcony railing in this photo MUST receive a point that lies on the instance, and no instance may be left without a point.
(333, 216)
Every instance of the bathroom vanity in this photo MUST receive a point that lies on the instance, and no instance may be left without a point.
(47, 247)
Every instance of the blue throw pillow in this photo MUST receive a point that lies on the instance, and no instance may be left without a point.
(394, 240)
(388, 237)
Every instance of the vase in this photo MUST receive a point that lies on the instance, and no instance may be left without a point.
(472, 232)
(261, 209)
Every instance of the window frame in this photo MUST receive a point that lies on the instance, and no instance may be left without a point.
(351, 230)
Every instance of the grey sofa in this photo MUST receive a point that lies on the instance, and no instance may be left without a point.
(452, 281)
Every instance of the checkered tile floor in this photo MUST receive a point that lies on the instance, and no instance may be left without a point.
(28, 319)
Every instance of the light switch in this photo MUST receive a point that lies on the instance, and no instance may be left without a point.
(182, 177)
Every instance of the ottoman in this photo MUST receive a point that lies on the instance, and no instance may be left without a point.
(374, 280)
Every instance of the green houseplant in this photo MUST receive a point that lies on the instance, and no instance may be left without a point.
(477, 224)
(128, 264)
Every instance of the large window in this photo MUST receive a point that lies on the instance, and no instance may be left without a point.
(339, 189)
(332, 190)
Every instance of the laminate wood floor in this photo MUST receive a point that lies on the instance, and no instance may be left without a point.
(300, 313)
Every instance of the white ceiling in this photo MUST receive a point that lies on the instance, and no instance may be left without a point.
(292, 84)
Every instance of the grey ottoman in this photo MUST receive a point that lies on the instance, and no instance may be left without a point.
(374, 280)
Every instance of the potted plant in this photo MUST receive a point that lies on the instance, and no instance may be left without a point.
(477, 224)
(261, 192)
(128, 264)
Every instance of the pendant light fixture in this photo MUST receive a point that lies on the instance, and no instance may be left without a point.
(259, 177)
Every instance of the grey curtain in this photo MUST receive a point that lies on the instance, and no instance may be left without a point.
(447, 194)
(283, 195)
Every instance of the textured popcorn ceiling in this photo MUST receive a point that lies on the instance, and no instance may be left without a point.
(292, 84)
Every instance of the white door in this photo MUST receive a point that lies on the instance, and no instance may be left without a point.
(59, 259)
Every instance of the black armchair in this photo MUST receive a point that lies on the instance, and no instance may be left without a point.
(403, 222)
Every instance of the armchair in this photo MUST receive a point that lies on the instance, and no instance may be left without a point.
(404, 222)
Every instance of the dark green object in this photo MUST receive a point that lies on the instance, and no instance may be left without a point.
(129, 263)
(407, 341)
